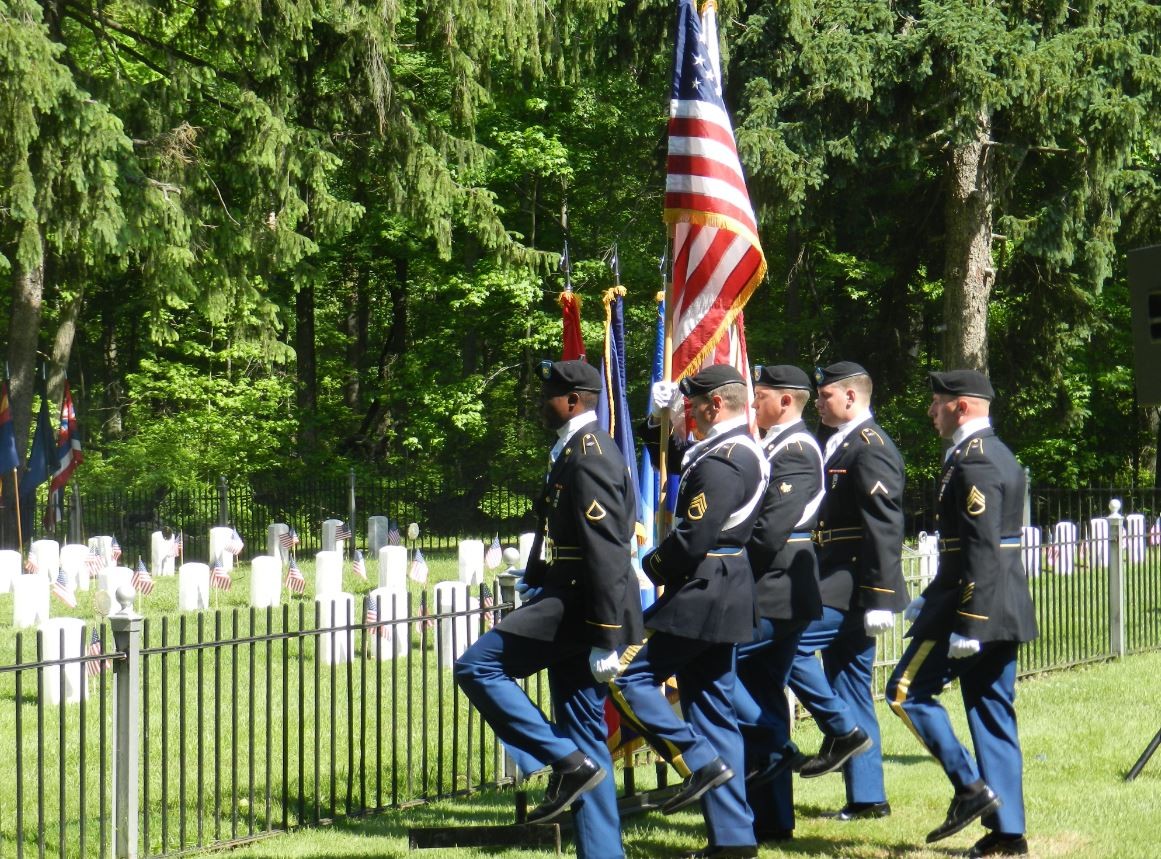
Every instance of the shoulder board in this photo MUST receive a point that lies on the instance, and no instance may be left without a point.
(870, 436)
(976, 444)
(590, 444)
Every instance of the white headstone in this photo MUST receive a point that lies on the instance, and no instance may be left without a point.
(393, 639)
(471, 561)
(393, 567)
(10, 568)
(220, 539)
(193, 587)
(1030, 549)
(1135, 538)
(455, 634)
(274, 532)
(29, 601)
(336, 611)
(74, 561)
(330, 538)
(526, 540)
(76, 684)
(1155, 533)
(928, 548)
(377, 528)
(111, 578)
(1063, 548)
(328, 573)
(161, 560)
(47, 554)
(104, 545)
(265, 581)
(1098, 543)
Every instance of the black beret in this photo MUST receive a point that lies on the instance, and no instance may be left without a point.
(782, 376)
(962, 383)
(710, 379)
(560, 377)
(824, 376)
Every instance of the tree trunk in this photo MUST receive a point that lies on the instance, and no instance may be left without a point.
(23, 340)
(794, 255)
(968, 275)
(306, 395)
(355, 325)
(62, 347)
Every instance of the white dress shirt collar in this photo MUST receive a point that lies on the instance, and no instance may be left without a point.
(569, 430)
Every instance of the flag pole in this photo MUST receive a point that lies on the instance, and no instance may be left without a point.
(16, 495)
(661, 524)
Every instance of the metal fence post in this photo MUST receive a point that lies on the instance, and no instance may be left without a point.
(127, 625)
(1116, 581)
(1027, 496)
(223, 501)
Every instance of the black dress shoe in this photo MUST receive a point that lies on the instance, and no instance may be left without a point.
(564, 786)
(998, 844)
(963, 810)
(764, 836)
(726, 851)
(862, 811)
(706, 778)
(835, 752)
(790, 758)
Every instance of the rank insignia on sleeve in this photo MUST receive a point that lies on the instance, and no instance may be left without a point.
(697, 507)
(976, 502)
(785, 488)
(596, 512)
(878, 487)
(968, 592)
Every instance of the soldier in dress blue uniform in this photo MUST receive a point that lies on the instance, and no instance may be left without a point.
(969, 622)
(860, 544)
(583, 605)
(707, 607)
(785, 572)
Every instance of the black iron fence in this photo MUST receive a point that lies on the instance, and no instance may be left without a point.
(256, 721)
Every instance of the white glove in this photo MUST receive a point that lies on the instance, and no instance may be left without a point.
(959, 647)
(877, 621)
(661, 397)
(605, 664)
(913, 609)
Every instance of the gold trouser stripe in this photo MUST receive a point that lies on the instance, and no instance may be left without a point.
(921, 654)
(667, 750)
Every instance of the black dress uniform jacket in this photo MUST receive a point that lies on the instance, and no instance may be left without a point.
(860, 524)
(785, 567)
(586, 516)
(981, 590)
(702, 564)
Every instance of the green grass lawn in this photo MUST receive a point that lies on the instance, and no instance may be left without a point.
(1081, 731)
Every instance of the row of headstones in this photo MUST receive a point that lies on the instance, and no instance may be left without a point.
(1066, 548)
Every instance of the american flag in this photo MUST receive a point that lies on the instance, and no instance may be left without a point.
(418, 571)
(295, 581)
(95, 561)
(394, 538)
(717, 257)
(30, 564)
(288, 539)
(494, 555)
(373, 618)
(116, 549)
(94, 649)
(235, 545)
(486, 602)
(68, 451)
(359, 565)
(142, 581)
(62, 590)
(342, 532)
(219, 576)
(175, 548)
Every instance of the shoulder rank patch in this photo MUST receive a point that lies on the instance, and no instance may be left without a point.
(697, 507)
(976, 502)
(596, 512)
(785, 488)
(590, 441)
(878, 487)
(870, 435)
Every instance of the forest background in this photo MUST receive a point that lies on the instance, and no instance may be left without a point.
(266, 238)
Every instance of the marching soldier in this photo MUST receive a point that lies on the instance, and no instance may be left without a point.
(707, 607)
(860, 544)
(785, 571)
(969, 622)
(584, 604)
